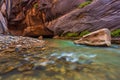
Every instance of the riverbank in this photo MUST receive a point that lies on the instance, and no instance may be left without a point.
(8, 41)
(17, 42)
(113, 40)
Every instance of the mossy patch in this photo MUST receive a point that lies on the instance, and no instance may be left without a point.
(115, 33)
(35, 5)
(85, 3)
(84, 33)
(70, 34)
(76, 34)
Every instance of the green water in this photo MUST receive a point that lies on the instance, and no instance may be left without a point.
(63, 60)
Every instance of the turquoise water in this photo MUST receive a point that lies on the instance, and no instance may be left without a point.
(63, 60)
(108, 55)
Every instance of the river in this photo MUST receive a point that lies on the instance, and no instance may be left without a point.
(63, 60)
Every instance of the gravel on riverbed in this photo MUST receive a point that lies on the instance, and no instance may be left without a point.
(7, 41)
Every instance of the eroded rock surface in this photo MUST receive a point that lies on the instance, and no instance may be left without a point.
(98, 38)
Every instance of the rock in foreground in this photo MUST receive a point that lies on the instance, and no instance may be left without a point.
(23, 42)
(101, 37)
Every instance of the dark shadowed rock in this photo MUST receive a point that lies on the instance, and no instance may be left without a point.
(98, 38)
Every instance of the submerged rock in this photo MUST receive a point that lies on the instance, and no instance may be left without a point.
(98, 38)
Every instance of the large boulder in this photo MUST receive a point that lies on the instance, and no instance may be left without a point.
(100, 37)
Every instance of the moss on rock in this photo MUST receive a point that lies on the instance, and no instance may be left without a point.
(115, 33)
(75, 34)
(72, 34)
(85, 3)
(84, 33)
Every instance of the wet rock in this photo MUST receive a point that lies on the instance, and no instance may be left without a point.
(7, 66)
(26, 67)
(88, 62)
(98, 38)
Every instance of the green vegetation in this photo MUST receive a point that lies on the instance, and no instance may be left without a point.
(36, 5)
(70, 34)
(84, 33)
(85, 4)
(75, 34)
(115, 33)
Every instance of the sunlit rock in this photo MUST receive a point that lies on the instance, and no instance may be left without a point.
(37, 30)
(100, 37)
(40, 37)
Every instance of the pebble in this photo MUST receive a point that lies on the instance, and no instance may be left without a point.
(18, 48)
(40, 37)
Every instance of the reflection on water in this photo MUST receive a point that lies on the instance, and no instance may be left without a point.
(62, 60)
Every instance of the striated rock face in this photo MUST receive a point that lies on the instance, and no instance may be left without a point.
(101, 37)
(32, 25)
(4, 15)
(56, 8)
(30, 17)
(35, 24)
(99, 14)
(43, 16)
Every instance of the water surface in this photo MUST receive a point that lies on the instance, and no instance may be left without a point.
(63, 60)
